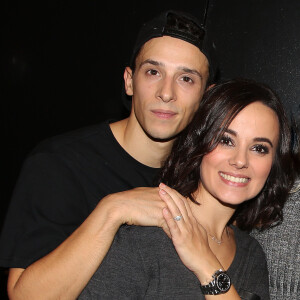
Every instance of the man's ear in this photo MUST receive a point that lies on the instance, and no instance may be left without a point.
(210, 86)
(128, 81)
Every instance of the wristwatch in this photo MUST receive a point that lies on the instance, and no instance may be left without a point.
(220, 284)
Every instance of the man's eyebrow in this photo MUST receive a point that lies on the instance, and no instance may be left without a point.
(191, 71)
(151, 62)
(257, 139)
(182, 68)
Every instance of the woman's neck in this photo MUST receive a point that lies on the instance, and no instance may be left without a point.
(212, 214)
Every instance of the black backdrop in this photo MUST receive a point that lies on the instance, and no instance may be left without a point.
(62, 62)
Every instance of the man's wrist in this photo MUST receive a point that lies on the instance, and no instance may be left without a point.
(111, 210)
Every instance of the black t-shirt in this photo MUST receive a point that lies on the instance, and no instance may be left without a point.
(59, 185)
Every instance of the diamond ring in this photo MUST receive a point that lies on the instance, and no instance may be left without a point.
(178, 218)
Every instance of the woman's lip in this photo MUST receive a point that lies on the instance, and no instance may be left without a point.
(163, 114)
(234, 179)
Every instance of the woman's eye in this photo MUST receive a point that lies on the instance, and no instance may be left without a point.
(261, 149)
(226, 140)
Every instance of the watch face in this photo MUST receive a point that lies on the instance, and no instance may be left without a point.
(223, 282)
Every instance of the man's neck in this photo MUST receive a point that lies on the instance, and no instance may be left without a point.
(136, 143)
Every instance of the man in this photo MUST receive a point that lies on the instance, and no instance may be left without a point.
(57, 230)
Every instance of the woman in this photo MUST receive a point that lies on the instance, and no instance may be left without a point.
(233, 163)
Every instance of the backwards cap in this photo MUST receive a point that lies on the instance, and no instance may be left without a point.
(180, 25)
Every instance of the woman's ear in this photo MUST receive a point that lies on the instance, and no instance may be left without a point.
(128, 81)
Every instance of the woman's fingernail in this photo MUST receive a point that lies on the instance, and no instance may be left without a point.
(162, 191)
(165, 210)
(162, 185)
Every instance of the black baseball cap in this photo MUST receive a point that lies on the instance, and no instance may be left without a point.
(163, 24)
(181, 25)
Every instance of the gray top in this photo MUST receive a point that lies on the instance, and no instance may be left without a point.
(143, 264)
(282, 247)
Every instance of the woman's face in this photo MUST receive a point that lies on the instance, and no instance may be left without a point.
(237, 169)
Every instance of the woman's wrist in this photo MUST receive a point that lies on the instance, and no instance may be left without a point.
(206, 276)
(207, 269)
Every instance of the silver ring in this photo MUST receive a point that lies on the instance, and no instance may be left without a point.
(178, 218)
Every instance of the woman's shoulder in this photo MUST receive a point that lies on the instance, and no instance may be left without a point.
(142, 235)
(148, 243)
(246, 242)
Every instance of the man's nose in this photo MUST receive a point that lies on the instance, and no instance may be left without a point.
(166, 91)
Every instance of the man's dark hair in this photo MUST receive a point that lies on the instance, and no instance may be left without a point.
(217, 109)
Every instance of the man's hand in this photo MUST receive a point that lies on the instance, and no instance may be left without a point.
(140, 206)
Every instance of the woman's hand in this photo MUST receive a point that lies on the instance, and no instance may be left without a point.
(188, 236)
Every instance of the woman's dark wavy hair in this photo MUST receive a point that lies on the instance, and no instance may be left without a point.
(218, 108)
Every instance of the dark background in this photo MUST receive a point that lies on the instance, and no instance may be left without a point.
(62, 63)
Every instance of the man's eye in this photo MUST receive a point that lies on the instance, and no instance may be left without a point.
(226, 140)
(187, 79)
(152, 72)
(261, 149)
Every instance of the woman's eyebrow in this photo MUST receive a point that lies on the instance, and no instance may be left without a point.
(263, 139)
(230, 131)
(256, 139)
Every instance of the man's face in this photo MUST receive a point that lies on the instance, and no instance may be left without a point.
(167, 86)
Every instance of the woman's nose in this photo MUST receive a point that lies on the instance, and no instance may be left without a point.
(239, 159)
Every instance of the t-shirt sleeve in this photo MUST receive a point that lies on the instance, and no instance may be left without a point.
(121, 275)
(46, 207)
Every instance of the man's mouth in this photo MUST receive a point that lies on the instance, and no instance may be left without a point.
(163, 114)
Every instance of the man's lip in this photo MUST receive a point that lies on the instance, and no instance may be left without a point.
(162, 113)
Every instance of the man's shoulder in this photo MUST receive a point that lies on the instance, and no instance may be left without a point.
(85, 137)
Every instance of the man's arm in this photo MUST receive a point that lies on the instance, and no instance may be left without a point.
(63, 273)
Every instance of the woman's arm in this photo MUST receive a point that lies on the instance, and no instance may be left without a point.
(191, 241)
